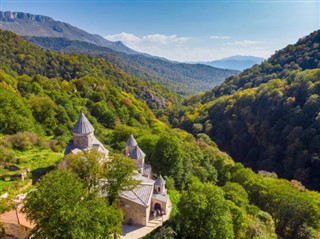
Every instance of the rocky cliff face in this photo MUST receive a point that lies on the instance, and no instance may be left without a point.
(12, 16)
(159, 101)
(26, 24)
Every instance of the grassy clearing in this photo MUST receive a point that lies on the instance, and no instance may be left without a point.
(36, 160)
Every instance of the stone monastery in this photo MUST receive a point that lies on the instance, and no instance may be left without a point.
(145, 201)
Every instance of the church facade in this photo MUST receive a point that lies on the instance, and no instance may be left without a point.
(147, 200)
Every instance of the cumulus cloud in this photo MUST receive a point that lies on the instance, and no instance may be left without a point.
(163, 39)
(129, 38)
(182, 48)
(123, 36)
(220, 37)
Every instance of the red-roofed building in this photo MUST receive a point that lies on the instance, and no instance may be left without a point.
(15, 224)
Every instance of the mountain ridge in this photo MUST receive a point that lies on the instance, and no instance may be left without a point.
(237, 62)
(27, 24)
(43, 91)
(267, 117)
(183, 78)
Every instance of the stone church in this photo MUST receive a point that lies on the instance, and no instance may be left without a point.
(148, 199)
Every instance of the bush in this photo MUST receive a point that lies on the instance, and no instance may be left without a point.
(7, 155)
(22, 140)
(54, 145)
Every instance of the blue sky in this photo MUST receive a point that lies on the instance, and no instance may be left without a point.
(187, 30)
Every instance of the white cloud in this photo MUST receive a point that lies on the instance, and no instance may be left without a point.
(245, 43)
(123, 36)
(129, 38)
(220, 37)
(163, 39)
(179, 48)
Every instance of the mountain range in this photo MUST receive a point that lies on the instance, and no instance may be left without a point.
(267, 117)
(239, 63)
(183, 78)
(26, 24)
(43, 91)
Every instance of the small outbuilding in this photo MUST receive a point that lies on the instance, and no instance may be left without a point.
(15, 224)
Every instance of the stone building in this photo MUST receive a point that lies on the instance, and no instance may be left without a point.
(147, 200)
(83, 138)
(133, 151)
(15, 224)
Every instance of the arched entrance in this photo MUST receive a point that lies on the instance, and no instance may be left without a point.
(157, 209)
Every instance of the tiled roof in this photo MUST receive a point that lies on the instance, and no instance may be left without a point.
(142, 193)
(97, 143)
(16, 217)
(161, 197)
(144, 180)
(160, 181)
(137, 153)
(147, 170)
(131, 142)
(83, 126)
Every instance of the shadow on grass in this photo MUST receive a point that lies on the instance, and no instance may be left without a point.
(39, 172)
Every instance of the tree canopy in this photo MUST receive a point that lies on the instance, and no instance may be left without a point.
(62, 207)
(204, 213)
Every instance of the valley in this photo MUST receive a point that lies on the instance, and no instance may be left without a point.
(235, 153)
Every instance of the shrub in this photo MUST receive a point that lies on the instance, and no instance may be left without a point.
(7, 155)
(22, 140)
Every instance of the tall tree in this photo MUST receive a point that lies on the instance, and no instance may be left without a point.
(87, 165)
(204, 212)
(15, 116)
(98, 173)
(119, 174)
(61, 207)
(167, 158)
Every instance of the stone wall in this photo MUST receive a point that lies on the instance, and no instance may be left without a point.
(17, 231)
(82, 140)
(134, 213)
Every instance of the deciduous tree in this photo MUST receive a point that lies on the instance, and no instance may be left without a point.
(61, 207)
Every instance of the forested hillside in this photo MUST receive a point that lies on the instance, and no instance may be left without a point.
(185, 79)
(19, 56)
(268, 116)
(298, 57)
(41, 95)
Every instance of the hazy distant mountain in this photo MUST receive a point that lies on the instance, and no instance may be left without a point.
(55, 35)
(235, 62)
(183, 78)
(27, 24)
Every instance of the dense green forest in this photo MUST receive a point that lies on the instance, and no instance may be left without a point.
(18, 56)
(268, 116)
(41, 95)
(183, 78)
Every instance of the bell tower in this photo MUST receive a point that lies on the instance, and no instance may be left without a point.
(83, 133)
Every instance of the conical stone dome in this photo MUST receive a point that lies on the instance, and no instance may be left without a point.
(83, 126)
(131, 142)
(160, 181)
(137, 153)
